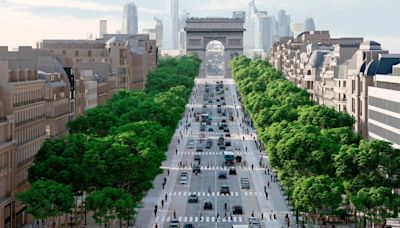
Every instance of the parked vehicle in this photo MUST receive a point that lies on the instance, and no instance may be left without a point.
(193, 198)
(208, 205)
(237, 210)
(224, 189)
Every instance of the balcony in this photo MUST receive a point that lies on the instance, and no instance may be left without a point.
(21, 123)
(15, 105)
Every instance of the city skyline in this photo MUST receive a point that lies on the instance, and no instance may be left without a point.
(44, 19)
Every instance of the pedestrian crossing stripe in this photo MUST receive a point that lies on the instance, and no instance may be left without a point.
(207, 153)
(245, 193)
(212, 168)
(206, 219)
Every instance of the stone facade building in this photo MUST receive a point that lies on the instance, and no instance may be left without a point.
(336, 72)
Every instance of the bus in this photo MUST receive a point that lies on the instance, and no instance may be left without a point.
(229, 157)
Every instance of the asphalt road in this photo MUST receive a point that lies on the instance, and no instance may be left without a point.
(206, 184)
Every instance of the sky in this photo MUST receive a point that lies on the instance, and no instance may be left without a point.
(24, 22)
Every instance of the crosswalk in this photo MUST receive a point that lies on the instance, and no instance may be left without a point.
(212, 168)
(244, 193)
(198, 219)
(207, 153)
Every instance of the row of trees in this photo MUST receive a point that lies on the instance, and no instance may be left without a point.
(114, 151)
(323, 166)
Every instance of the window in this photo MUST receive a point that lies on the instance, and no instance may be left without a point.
(64, 52)
(90, 53)
(344, 84)
(76, 53)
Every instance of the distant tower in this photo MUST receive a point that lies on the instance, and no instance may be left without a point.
(283, 24)
(171, 24)
(103, 28)
(309, 24)
(130, 19)
(159, 31)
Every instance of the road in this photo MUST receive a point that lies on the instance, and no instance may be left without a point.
(187, 142)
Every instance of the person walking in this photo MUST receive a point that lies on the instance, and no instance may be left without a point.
(162, 203)
(174, 214)
(166, 197)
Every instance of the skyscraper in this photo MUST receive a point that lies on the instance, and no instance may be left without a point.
(283, 24)
(171, 24)
(309, 24)
(182, 33)
(130, 19)
(103, 28)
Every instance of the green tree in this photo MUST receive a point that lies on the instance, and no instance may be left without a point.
(47, 199)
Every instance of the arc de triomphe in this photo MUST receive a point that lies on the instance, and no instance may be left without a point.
(201, 31)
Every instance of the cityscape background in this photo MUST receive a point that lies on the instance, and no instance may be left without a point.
(76, 19)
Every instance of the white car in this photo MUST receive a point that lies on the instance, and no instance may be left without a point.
(183, 180)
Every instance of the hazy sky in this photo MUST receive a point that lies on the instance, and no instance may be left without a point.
(23, 22)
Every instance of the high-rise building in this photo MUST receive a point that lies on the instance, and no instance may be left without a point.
(130, 19)
(239, 15)
(103, 28)
(309, 24)
(297, 28)
(171, 25)
(283, 24)
(182, 33)
(159, 32)
(260, 31)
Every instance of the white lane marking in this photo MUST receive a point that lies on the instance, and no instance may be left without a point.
(180, 218)
(168, 219)
(240, 219)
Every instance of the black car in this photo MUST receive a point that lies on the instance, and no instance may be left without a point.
(188, 225)
(222, 175)
(232, 171)
(237, 210)
(221, 147)
(196, 169)
(208, 205)
(228, 134)
(227, 143)
(224, 189)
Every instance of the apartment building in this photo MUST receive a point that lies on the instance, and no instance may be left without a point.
(383, 100)
(337, 72)
(133, 56)
(23, 102)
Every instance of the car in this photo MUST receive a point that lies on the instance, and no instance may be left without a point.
(190, 144)
(254, 222)
(174, 223)
(204, 106)
(183, 179)
(222, 147)
(197, 158)
(219, 111)
(210, 101)
(223, 114)
(232, 171)
(202, 128)
(196, 169)
(188, 225)
(228, 143)
(221, 140)
(223, 121)
(226, 129)
(219, 106)
(199, 149)
(210, 129)
(208, 205)
(245, 183)
(193, 198)
(237, 210)
(208, 122)
(223, 103)
(228, 134)
(222, 175)
(217, 100)
(224, 189)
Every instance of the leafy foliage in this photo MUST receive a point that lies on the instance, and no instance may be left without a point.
(114, 151)
(320, 161)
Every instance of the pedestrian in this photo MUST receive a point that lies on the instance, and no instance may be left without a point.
(252, 214)
(265, 171)
(217, 215)
(179, 141)
(265, 188)
(270, 216)
(268, 172)
(166, 197)
(176, 151)
(155, 212)
(268, 184)
(262, 216)
(226, 206)
(162, 203)
(274, 216)
(168, 172)
(252, 167)
(165, 180)
(266, 194)
(163, 185)
(174, 214)
(246, 148)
